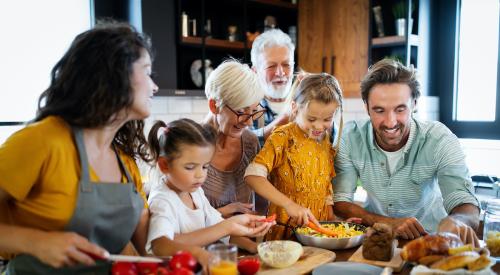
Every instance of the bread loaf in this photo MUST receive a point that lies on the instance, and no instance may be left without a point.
(379, 243)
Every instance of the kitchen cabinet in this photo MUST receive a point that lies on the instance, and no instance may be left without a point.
(333, 38)
(409, 47)
(186, 32)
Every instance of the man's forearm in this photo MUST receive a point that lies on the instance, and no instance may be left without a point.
(348, 210)
(468, 214)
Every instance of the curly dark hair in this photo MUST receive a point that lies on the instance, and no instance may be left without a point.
(388, 71)
(90, 84)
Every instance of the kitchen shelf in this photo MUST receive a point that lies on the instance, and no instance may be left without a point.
(213, 43)
(187, 92)
(389, 41)
(278, 3)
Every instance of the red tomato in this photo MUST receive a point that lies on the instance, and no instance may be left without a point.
(248, 266)
(147, 268)
(162, 271)
(124, 268)
(182, 271)
(183, 259)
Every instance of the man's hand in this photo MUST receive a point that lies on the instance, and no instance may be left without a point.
(407, 228)
(456, 226)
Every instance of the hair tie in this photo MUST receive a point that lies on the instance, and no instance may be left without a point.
(161, 131)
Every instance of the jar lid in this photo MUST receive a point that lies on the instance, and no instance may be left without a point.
(493, 206)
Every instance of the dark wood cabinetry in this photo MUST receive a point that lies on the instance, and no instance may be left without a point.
(205, 35)
(334, 39)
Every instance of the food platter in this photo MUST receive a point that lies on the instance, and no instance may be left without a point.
(330, 242)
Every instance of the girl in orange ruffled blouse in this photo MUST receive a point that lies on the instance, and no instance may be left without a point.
(294, 169)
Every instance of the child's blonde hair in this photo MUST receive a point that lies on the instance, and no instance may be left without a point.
(323, 88)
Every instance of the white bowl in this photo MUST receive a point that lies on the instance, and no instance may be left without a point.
(280, 254)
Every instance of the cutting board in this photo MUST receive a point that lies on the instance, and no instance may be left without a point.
(312, 258)
(396, 263)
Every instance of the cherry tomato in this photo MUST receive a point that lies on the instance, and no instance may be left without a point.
(147, 268)
(182, 271)
(183, 259)
(248, 266)
(271, 218)
(124, 268)
(162, 271)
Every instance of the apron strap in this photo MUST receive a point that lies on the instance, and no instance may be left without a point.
(122, 165)
(85, 185)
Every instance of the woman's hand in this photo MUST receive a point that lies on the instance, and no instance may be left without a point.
(299, 215)
(248, 225)
(59, 249)
(236, 207)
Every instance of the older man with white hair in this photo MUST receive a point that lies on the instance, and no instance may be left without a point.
(273, 60)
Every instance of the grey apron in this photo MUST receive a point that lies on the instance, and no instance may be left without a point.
(106, 214)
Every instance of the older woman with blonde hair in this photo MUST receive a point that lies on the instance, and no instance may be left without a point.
(233, 91)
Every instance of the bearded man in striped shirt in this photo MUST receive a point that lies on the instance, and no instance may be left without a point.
(413, 171)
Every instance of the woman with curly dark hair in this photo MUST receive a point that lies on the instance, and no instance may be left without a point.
(69, 185)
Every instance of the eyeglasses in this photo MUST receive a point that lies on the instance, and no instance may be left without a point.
(242, 118)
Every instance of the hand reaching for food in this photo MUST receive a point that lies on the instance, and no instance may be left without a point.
(462, 230)
(300, 215)
(407, 228)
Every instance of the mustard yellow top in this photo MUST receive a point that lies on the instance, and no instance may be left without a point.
(302, 169)
(40, 169)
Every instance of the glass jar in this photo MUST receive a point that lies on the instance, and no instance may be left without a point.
(491, 232)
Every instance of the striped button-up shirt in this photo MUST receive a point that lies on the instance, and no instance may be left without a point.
(429, 181)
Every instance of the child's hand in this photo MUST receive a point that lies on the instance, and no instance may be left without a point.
(299, 215)
(248, 225)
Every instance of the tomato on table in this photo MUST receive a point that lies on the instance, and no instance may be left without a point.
(183, 259)
(123, 268)
(248, 265)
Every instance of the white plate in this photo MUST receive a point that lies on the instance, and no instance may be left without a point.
(347, 268)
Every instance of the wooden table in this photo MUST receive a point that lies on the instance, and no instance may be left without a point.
(344, 255)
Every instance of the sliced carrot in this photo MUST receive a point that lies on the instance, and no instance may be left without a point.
(321, 229)
(271, 218)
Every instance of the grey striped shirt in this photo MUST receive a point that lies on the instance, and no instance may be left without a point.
(224, 187)
(429, 181)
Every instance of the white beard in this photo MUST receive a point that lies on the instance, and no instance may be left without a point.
(280, 92)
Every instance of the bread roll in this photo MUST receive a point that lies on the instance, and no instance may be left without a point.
(480, 263)
(428, 260)
(456, 261)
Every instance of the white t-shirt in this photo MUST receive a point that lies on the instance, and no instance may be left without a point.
(393, 158)
(170, 216)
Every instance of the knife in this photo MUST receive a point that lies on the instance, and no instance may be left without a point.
(125, 258)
